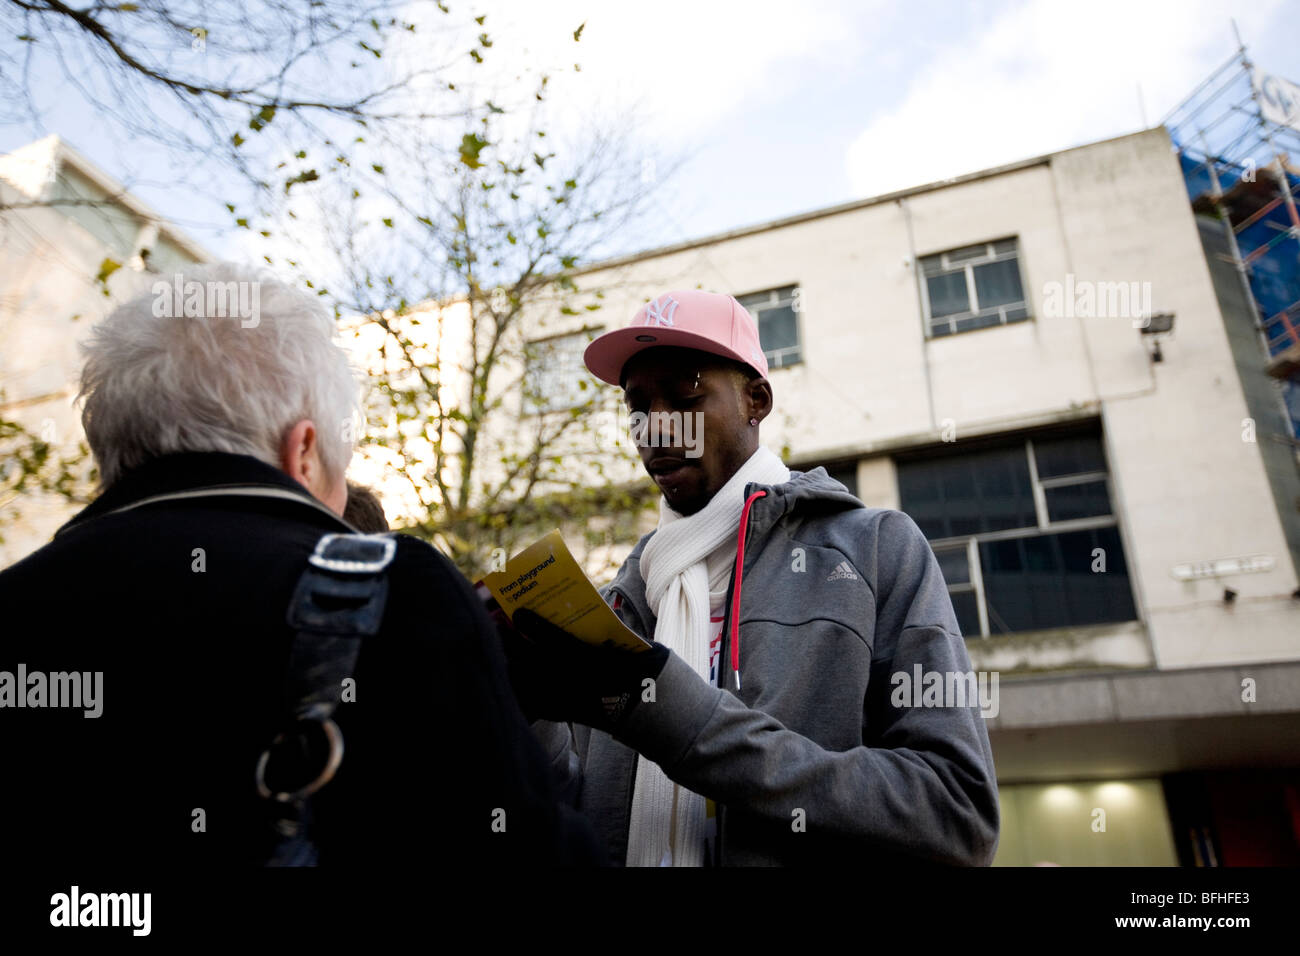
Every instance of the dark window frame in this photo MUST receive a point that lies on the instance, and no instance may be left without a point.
(1006, 249)
(968, 545)
(534, 363)
(777, 297)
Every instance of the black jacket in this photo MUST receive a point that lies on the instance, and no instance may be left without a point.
(182, 608)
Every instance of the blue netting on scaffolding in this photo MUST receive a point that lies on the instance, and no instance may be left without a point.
(1265, 237)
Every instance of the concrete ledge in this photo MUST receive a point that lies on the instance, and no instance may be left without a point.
(1149, 695)
(1066, 649)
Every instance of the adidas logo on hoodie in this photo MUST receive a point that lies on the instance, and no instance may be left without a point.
(843, 572)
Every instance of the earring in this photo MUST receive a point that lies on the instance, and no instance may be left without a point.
(753, 421)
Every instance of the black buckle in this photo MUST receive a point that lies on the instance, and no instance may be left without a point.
(354, 553)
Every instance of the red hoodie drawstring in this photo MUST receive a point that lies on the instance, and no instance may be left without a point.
(735, 600)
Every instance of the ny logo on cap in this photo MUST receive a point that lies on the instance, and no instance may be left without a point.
(656, 314)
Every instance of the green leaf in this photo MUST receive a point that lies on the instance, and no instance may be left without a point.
(388, 223)
(377, 167)
(263, 117)
(577, 34)
(237, 140)
(106, 269)
(306, 176)
(471, 144)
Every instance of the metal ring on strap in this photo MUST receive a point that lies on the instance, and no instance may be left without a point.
(335, 738)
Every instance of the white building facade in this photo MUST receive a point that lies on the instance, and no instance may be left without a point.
(61, 219)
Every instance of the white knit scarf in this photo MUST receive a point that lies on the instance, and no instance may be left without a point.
(686, 565)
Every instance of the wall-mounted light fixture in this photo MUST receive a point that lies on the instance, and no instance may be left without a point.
(1153, 330)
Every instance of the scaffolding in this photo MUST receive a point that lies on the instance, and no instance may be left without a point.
(1239, 165)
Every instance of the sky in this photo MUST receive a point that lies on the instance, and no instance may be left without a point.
(843, 101)
(776, 108)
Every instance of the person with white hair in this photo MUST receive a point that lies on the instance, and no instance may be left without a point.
(209, 666)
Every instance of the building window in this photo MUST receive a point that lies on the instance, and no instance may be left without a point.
(777, 313)
(1024, 533)
(972, 288)
(555, 377)
(167, 257)
(113, 225)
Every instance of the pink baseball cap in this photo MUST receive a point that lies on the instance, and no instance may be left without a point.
(708, 321)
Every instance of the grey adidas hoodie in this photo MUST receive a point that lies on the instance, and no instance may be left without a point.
(810, 762)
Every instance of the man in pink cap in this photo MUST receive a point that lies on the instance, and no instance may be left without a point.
(786, 577)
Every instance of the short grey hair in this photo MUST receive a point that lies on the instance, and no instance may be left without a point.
(217, 377)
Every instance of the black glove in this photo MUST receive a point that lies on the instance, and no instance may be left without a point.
(558, 677)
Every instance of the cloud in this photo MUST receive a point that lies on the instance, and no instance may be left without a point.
(684, 64)
(1045, 76)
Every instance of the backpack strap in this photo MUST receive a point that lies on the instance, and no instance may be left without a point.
(339, 599)
(224, 491)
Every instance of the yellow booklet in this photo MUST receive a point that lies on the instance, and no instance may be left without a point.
(547, 580)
